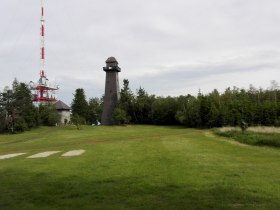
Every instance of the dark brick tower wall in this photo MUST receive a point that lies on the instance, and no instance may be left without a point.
(112, 90)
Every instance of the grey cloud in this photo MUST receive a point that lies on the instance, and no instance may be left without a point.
(161, 45)
(184, 76)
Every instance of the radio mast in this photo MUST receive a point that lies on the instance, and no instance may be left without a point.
(43, 92)
(42, 39)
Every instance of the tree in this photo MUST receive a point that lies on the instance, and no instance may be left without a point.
(79, 104)
(7, 109)
(204, 109)
(48, 115)
(94, 111)
(120, 116)
(189, 111)
(126, 102)
(164, 111)
(143, 107)
(77, 120)
(215, 115)
(23, 105)
(17, 110)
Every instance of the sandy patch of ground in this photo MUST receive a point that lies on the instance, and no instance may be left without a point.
(73, 153)
(43, 154)
(10, 155)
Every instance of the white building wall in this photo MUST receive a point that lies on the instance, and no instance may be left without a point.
(64, 114)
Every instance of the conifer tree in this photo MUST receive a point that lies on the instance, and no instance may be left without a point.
(79, 105)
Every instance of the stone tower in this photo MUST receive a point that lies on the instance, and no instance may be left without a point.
(112, 90)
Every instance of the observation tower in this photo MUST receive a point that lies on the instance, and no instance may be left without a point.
(112, 90)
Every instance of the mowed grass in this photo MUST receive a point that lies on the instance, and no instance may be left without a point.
(137, 167)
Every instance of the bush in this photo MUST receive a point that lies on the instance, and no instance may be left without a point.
(77, 120)
(120, 116)
(243, 126)
(20, 125)
(48, 115)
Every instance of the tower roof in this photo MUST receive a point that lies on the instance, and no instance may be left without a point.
(112, 65)
(111, 60)
(59, 105)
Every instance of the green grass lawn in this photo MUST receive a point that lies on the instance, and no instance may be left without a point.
(137, 167)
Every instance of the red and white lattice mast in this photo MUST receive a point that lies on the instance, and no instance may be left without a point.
(43, 91)
(42, 39)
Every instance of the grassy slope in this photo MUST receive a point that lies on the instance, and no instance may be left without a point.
(137, 167)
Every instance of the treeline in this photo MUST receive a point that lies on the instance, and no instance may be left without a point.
(230, 108)
(18, 113)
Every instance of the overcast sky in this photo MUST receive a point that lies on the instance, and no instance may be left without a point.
(167, 47)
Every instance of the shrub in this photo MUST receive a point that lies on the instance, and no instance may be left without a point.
(120, 116)
(20, 125)
(48, 115)
(243, 126)
(77, 120)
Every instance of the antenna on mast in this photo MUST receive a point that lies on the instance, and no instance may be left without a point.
(43, 91)
(42, 38)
